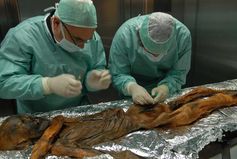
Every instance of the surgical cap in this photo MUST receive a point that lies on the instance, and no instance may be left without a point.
(79, 13)
(157, 32)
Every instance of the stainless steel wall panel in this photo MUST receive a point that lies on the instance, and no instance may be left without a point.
(216, 41)
(111, 14)
(214, 34)
(30, 8)
(9, 16)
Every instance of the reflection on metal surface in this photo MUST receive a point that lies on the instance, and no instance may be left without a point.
(111, 14)
(9, 16)
(214, 34)
(34, 8)
(216, 41)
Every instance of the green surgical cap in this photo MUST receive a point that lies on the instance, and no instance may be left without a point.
(79, 13)
(157, 32)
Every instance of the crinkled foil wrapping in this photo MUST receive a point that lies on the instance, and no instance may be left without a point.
(182, 142)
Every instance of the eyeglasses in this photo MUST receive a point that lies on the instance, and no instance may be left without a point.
(139, 40)
(75, 40)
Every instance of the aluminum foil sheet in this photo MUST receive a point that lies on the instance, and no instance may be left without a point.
(182, 142)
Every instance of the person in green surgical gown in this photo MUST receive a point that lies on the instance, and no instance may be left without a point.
(150, 57)
(50, 62)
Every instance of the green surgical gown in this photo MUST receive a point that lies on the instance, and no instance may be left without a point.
(128, 61)
(29, 53)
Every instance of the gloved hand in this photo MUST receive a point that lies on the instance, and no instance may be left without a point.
(64, 85)
(98, 80)
(160, 93)
(139, 94)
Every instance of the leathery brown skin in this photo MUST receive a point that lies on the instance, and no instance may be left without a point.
(194, 94)
(78, 136)
(187, 113)
(146, 117)
(17, 132)
(44, 144)
(61, 150)
(74, 137)
(195, 110)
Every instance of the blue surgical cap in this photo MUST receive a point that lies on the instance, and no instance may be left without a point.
(157, 32)
(79, 13)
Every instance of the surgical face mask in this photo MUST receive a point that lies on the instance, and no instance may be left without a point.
(150, 56)
(155, 58)
(67, 45)
(143, 51)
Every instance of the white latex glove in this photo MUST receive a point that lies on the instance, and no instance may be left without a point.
(139, 94)
(64, 85)
(160, 93)
(98, 80)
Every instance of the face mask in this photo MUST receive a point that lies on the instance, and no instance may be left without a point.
(154, 58)
(67, 45)
(150, 56)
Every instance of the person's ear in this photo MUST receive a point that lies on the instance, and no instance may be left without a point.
(55, 24)
(55, 20)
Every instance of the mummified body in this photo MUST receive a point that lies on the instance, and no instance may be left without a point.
(19, 131)
(75, 136)
(184, 110)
